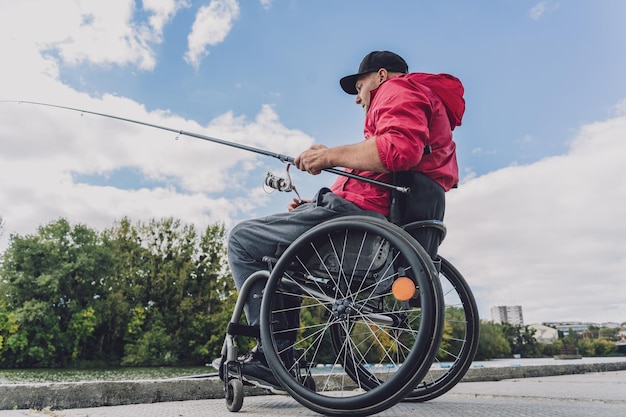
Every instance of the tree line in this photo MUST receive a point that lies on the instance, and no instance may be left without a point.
(154, 293)
(145, 294)
(504, 340)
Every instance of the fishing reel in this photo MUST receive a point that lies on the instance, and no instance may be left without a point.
(274, 182)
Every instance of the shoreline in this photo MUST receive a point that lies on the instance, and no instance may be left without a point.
(87, 394)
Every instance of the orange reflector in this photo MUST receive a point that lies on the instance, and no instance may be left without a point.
(403, 288)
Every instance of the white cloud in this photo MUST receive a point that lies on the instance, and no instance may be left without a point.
(104, 33)
(540, 9)
(550, 230)
(527, 138)
(162, 12)
(101, 33)
(481, 151)
(212, 24)
(537, 10)
(267, 4)
(40, 161)
(45, 150)
(620, 108)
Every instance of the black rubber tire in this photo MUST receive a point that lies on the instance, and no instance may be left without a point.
(234, 395)
(457, 294)
(414, 333)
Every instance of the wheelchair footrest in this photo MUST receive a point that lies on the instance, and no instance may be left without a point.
(236, 329)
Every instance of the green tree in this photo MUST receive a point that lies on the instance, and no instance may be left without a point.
(125, 290)
(154, 293)
(49, 277)
(492, 343)
(551, 349)
(604, 347)
(609, 333)
(570, 342)
(586, 347)
(594, 341)
(81, 328)
(454, 332)
(521, 339)
(154, 347)
(8, 326)
(209, 298)
(180, 282)
(592, 332)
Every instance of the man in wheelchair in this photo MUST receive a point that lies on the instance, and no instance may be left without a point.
(409, 118)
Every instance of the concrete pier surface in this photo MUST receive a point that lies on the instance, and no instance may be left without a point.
(563, 388)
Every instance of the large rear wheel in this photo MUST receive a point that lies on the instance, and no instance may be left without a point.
(331, 310)
(459, 340)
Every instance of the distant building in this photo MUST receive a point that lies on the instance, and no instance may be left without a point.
(574, 326)
(507, 314)
(545, 334)
(579, 327)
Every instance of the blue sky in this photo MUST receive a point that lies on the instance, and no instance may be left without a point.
(534, 59)
(537, 220)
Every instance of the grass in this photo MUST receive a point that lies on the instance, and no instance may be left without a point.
(25, 376)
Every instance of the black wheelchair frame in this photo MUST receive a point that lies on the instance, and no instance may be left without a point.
(359, 345)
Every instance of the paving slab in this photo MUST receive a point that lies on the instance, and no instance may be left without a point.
(598, 394)
(90, 394)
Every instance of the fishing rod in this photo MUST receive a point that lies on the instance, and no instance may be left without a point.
(281, 184)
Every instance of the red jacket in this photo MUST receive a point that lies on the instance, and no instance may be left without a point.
(406, 114)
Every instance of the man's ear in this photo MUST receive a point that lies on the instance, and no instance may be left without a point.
(382, 75)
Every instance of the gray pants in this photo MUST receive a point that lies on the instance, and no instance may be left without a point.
(253, 239)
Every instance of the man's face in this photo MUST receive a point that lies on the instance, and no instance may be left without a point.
(364, 85)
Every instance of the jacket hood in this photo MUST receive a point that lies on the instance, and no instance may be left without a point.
(449, 89)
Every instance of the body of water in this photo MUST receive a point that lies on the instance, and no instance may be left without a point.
(30, 376)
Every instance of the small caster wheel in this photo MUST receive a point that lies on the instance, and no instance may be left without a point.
(234, 395)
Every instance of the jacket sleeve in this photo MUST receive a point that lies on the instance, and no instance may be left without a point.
(400, 115)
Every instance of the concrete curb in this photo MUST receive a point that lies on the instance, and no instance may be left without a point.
(533, 371)
(96, 394)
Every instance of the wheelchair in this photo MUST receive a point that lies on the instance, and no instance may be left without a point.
(353, 317)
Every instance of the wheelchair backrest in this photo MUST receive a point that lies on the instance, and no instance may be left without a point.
(420, 211)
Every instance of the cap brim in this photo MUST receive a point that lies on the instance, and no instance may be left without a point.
(348, 83)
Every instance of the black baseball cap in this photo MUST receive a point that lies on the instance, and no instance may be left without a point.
(372, 63)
